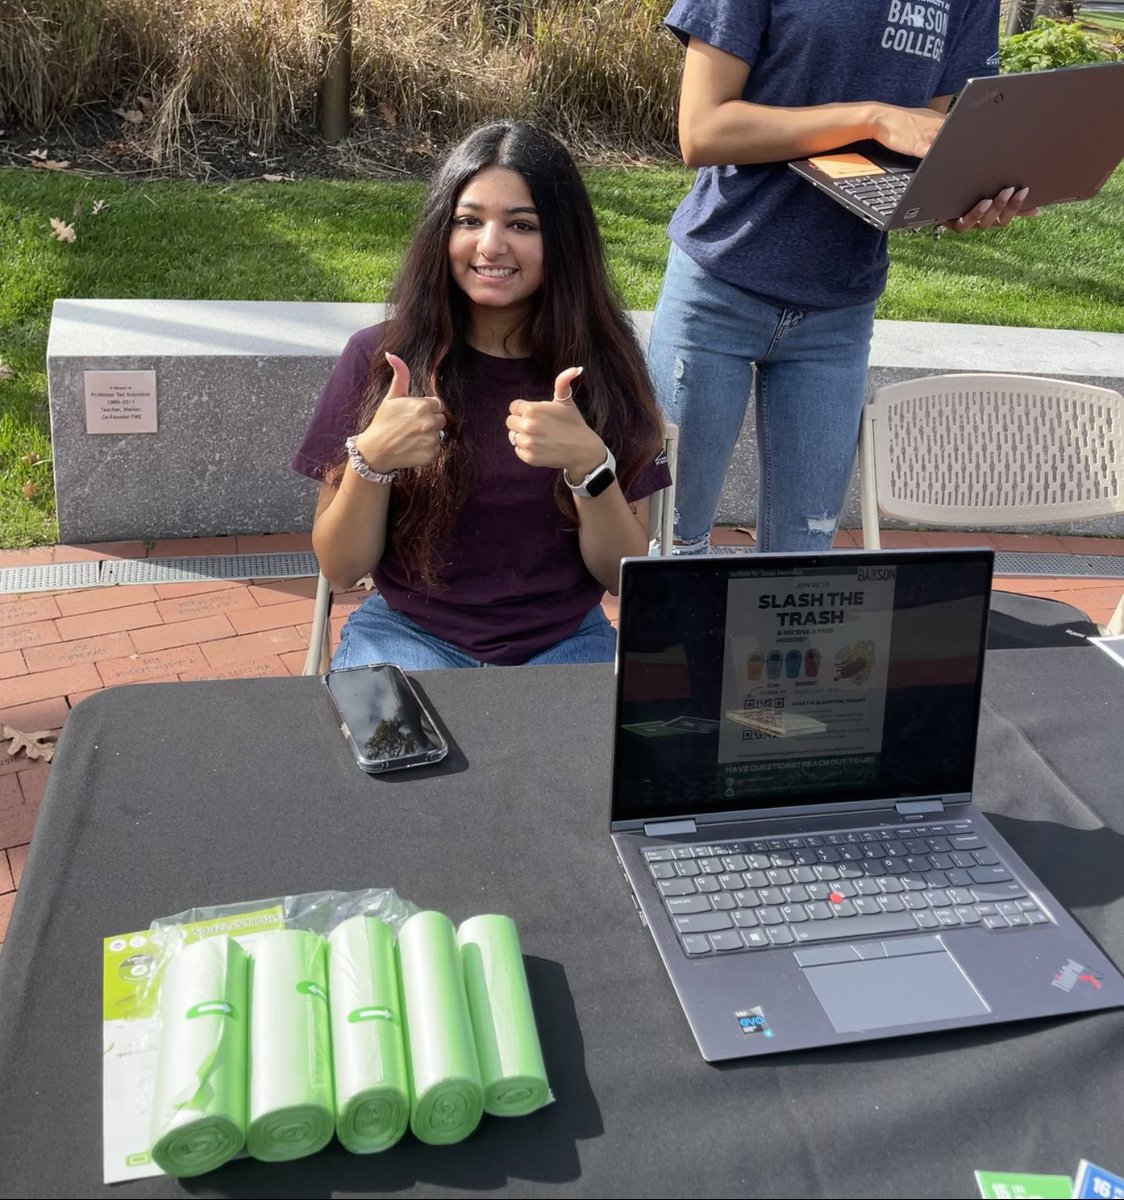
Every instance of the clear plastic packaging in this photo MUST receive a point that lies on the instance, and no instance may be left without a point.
(316, 912)
(180, 1090)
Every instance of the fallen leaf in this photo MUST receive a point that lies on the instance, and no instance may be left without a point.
(278, 178)
(51, 164)
(62, 231)
(145, 103)
(422, 148)
(28, 490)
(34, 745)
(131, 116)
(76, 211)
(388, 113)
(30, 458)
(37, 154)
(98, 206)
(5, 370)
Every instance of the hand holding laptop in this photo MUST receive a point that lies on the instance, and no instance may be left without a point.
(1001, 210)
(1002, 141)
(912, 131)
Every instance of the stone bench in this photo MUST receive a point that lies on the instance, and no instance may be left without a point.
(236, 381)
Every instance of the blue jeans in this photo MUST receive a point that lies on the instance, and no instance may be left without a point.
(375, 633)
(707, 336)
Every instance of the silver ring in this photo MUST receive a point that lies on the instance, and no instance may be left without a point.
(512, 436)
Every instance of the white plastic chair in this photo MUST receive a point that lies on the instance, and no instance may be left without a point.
(973, 451)
(661, 523)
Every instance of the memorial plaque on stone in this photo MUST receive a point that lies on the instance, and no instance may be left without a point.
(120, 401)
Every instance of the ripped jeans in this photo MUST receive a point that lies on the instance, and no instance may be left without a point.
(707, 335)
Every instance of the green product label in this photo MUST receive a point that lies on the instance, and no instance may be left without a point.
(128, 964)
(370, 1014)
(138, 1160)
(1010, 1185)
(210, 1008)
(307, 987)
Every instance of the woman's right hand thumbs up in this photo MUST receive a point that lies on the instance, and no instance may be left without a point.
(406, 430)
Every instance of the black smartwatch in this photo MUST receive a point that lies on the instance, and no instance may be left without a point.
(597, 480)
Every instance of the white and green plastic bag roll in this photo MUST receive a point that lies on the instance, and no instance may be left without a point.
(199, 1105)
(368, 1053)
(446, 1097)
(292, 1108)
(503, 1021)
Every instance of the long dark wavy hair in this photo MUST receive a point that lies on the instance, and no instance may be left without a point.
(576, 319)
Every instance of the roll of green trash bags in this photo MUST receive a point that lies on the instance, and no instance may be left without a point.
(503, 1021)
(368, 1054)
(446, 1097)
(292, 1108)
(199, 1104)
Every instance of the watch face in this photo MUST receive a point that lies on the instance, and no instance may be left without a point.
(600, 481)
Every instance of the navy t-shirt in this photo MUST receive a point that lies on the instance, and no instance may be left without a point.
(514, 581)
(761, 226)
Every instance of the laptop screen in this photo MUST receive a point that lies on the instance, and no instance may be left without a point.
(772, 680)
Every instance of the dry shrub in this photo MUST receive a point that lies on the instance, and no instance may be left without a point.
(437, 67)
(250, 64)
(607, 70)
(601, 72)
(53, 55)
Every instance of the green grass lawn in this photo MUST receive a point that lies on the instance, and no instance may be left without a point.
(1100, 21)
(325, 240)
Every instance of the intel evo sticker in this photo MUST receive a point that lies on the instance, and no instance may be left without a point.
(752, 1020)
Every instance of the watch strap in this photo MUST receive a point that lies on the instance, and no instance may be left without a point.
(597, 480)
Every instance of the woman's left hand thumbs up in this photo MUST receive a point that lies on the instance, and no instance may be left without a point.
(553, 433)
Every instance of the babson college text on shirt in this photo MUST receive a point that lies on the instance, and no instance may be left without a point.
(916, 27)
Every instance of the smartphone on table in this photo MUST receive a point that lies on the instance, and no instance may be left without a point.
(382, 718)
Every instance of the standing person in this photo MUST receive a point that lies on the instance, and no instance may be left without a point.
(765, 271)
(489, 451)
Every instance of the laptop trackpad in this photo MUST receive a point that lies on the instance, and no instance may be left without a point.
(904, 981)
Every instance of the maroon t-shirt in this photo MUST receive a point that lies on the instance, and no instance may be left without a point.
(514, 579)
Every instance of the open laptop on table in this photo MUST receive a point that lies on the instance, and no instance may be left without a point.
(1058, 133)
(794, 747)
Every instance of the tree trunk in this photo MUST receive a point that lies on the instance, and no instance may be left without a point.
(334, 99)
(1020, 15)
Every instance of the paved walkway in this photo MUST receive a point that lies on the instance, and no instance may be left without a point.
(57, 648)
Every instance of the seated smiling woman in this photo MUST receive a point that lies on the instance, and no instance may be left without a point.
(489, 451)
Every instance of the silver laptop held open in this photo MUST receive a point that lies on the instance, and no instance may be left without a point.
(1058, 133)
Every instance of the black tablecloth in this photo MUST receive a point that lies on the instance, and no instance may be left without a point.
(163, 797)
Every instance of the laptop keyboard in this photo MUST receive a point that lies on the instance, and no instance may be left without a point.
(754, 895)
(880, 192)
